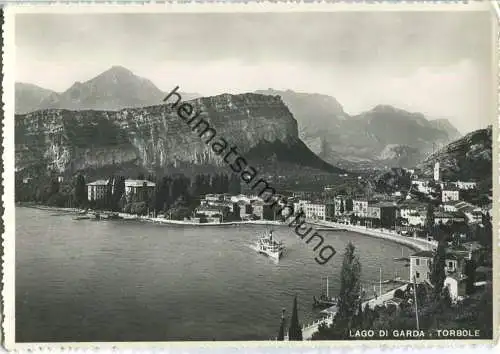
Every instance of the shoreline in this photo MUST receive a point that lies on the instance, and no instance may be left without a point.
(417, 244)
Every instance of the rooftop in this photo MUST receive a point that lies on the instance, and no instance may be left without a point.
(425, 254)
(139, 183)
(99, 182)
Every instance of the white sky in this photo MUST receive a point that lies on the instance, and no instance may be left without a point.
(439, 64)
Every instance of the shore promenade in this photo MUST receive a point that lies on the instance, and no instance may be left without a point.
(413, 242)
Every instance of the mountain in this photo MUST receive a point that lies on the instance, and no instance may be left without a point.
(155, 138)
(318, 115)
(444, 124)
(29, 97)
(383, 136)
(112, 90)
(468, 158)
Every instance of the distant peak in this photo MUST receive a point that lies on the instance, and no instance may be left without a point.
(119, 68)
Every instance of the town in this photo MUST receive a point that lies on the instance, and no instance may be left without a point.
(432, 210)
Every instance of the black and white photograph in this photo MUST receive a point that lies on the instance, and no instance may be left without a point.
(322, 174)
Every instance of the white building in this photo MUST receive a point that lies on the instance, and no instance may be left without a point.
(449, 194)
(464, 185)
(315, 211)
(97, 190)
(417, 218)
(422, 185)
(456, 284)
(360, 208)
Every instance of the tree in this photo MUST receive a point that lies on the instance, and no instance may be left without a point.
(429, 220)
(470, 272)
(350, 288)
(438, 274)
(348, 204)
(281, 332)
(295, 330)
(80, 193)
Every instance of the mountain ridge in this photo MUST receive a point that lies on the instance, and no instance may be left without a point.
(154, 137)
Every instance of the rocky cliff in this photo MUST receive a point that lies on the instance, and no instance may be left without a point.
(155, 137)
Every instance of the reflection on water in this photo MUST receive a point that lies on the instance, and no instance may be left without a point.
(123, 280)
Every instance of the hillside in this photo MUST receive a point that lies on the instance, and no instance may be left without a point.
(468, 158)
(29, 97)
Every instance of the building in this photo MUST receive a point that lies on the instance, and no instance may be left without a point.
(245, 210)
(408, 207)
(420, 266)
(213, 198)
(382, 214)
(341, 205)
(443, 217)
(139, 188)
(315, 211)
(212, 212)
(417, 219)
(262, 210)
(97, 190)
(422, 185)
(436, 172)
(456, 284)
(360, 207)
(449, 193)
(464, 185)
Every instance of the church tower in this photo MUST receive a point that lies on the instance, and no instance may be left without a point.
(436, 172)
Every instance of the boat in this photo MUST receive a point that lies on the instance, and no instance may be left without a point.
(325, 301)
(83, 217)
(270, 247)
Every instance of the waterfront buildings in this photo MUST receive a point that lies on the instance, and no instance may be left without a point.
(142, 189)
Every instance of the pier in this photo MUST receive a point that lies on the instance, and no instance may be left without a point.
(310, 329)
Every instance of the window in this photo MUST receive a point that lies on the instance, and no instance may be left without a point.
(417, 262)
(417, 274)
(450, 264)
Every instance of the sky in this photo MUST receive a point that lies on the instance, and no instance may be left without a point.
(436, 63)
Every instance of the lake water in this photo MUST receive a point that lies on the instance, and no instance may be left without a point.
(83, 280)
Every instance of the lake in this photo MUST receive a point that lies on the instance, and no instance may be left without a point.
(85, 280)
